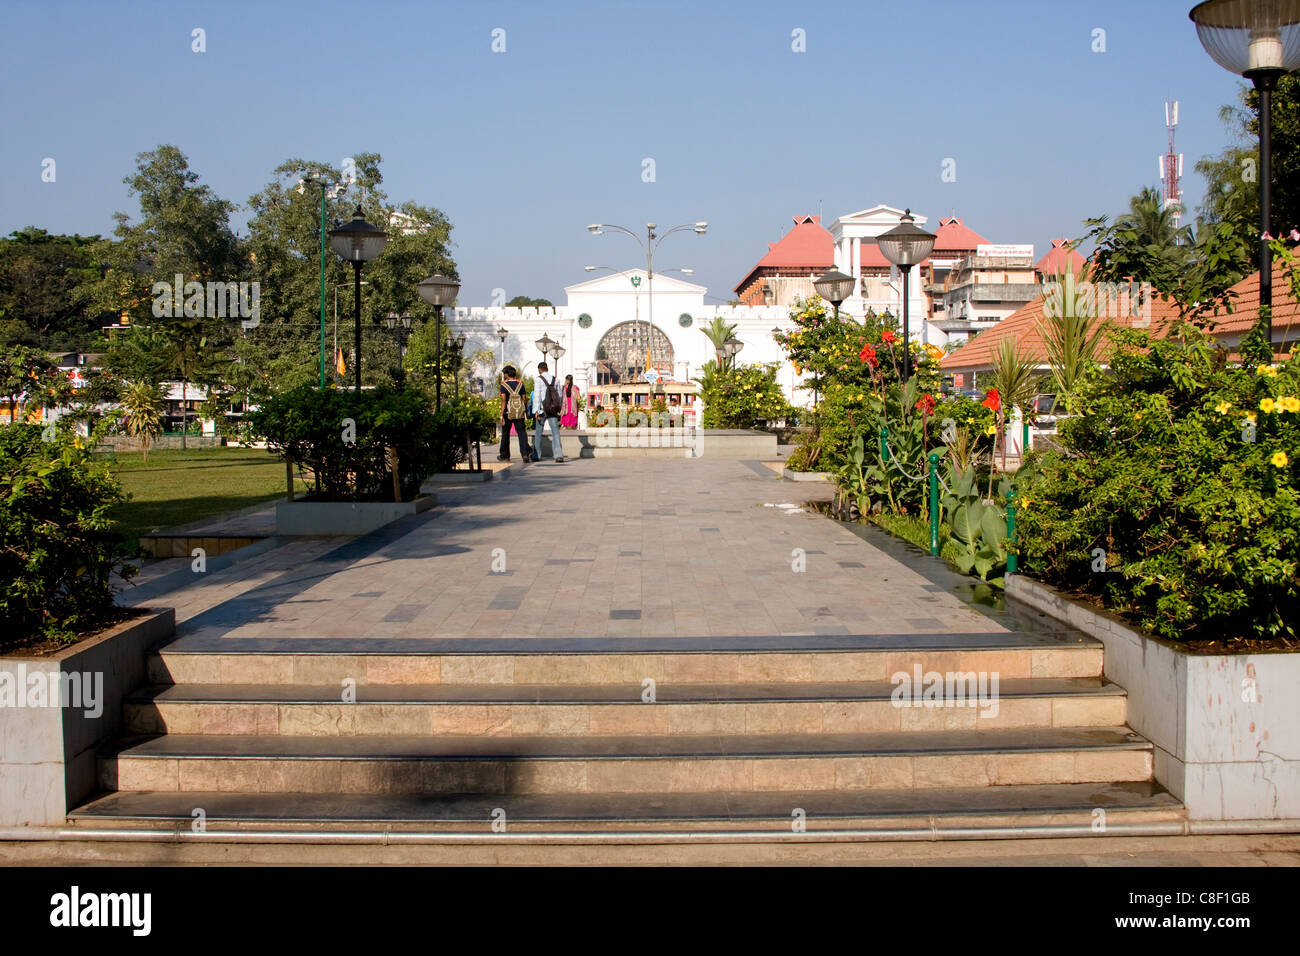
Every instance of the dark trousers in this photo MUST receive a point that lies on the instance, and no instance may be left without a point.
(521, 431)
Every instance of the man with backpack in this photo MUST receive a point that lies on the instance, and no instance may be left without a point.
(514, 412)
(546, 408)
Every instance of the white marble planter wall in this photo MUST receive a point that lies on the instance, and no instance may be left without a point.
(1226, 727)
(48, 752)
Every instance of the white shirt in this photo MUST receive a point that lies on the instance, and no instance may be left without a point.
(539, 391)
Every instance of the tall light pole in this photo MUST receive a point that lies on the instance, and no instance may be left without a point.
(358, 242)
(905, 246)
(1260, 40)
(438, 290)
(649, 247)
(336, 313)
(332, 190)
(502, 334)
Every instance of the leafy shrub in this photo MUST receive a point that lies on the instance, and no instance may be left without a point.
(741, 397)
(344, 437)
(57, 547)
(1175, 499)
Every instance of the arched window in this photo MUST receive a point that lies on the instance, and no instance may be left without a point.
(622, 350)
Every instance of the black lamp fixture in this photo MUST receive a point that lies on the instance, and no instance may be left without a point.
(1260, 40)
(358, 242)
(834, 287)
(906, 245)
(438, 290)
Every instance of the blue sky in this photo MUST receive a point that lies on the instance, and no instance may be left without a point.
(523, 149)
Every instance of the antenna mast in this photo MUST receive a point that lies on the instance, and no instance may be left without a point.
(1171, 166)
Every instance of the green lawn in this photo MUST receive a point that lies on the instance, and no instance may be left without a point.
(176, 487)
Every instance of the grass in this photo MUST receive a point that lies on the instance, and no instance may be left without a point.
(916, 529)
(176, 487)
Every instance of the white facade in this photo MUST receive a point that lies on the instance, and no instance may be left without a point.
(856, 230)
(600, 304)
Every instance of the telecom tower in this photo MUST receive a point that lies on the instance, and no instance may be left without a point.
(1171, 166)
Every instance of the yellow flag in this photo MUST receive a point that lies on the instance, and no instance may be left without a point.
(341, 365)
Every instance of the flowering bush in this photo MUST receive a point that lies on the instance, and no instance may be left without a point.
(741, 397)
(1177, 497)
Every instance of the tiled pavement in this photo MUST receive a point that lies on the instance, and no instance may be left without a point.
(593, 548)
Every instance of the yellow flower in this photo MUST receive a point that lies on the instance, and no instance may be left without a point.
(1266, 404)
(1137, 416)
(1250, 417)
(991, 430)
(1289, 403)
(1280, 459)
(1222, 407)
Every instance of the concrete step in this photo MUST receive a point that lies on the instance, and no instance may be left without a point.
(1007, 806)
(614, 710)
(625, 764)
(801, 659)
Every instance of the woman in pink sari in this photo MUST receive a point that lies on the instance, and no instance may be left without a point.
(569, 404)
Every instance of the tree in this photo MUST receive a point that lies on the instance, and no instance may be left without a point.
(142, 405)
(1071, 334)
(1143, 244)
(524, 302)
(42, 296)
(717, 332)
(1016, 379)
(21, 367)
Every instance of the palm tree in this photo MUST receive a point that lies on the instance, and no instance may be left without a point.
(1016, 378)
(142, 404)
(718, 331)
(1072, 334)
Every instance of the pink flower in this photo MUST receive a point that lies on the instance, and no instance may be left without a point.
(1267, 237)
(1295, 235)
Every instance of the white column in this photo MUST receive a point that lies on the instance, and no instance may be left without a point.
(857, 268)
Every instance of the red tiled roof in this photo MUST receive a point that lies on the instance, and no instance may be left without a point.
(1022, 325)
(806, 248)
(952, 236)
(1060, 259)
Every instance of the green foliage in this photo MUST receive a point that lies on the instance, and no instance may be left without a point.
(742, 396)
(524, 302)
(42, 281)
(142, 406)
(977, 525)
(57, 548)
(1143, 244)
(1179, 476)
(309, 427)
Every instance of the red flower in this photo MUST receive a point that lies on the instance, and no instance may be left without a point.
(992, 399)
(888, 337)
(926, 405)
(868, 355)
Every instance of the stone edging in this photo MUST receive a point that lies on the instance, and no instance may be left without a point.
(1226, 727)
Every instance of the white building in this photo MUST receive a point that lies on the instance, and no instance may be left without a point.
(606, 331)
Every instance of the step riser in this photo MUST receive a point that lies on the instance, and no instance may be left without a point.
(617, 775)
(700, 668)
(614, 720)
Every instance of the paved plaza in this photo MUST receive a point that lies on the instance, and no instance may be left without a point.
(594, 548)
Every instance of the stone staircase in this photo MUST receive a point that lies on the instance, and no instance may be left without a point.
(603, 736)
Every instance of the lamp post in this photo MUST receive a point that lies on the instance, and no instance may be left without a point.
(438, 290)
(502, 334)
(905, 246)
(457, 347)
(400, 326)
(649, 247)
(336, 313)
(1260, 40)
(331, 190)
(731, 348)
(834, 287)
(358, 242)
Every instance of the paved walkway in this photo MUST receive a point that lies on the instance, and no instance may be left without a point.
(586, 549)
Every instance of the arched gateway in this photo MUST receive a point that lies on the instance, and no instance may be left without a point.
(621, 354)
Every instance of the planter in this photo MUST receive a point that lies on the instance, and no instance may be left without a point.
(344, 517)
(48, 738)
(807, 475)
(1226, 727)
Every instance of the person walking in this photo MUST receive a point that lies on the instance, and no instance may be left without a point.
(546, 409)
(569, 418)
(514, 412)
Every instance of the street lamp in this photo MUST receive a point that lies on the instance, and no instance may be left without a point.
(834, 287)
(457, 347)
(332, 190)
(438, 290)
(905, 246)
(358, 242)
(400, 326)
(731, 348)
(502, 334)
(1260, 40)
(649, 246)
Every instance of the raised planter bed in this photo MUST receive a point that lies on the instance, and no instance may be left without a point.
(344, 517)
(1226, 727)
(47, 750)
